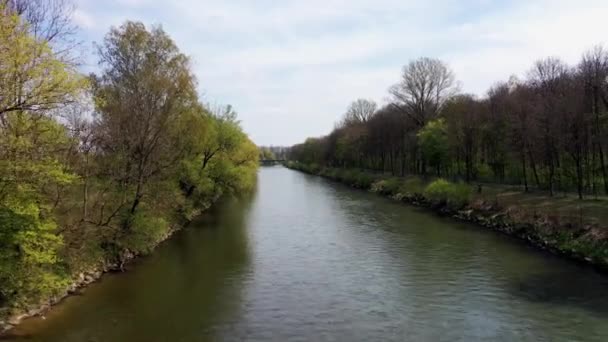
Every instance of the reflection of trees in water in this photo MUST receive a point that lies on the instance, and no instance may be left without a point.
(580, 288)
(182, 289)
(212, 258)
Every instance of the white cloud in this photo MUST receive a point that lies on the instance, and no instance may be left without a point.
(291, 67)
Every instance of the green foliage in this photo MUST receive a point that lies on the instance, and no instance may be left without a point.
(147, 230)
(355, 178)
(76, 194)
(30, 169)
(31, 76)
(484, 172)
(33, 168)
(454, 195)
(412, 186)
(267, 154)
(313, 169)
(433, 139)
(223, 161)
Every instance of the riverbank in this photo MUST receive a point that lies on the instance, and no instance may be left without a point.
(81, 280)
(574, 237)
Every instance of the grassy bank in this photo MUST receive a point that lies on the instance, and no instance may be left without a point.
(565, 226)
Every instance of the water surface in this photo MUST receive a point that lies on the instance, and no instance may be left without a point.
(306, 259)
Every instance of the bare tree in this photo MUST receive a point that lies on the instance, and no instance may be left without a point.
(49, 20)
(549, 77)
(426, 84)
(360, 111)
(594, 73)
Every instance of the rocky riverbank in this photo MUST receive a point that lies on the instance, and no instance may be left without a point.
(587, 243)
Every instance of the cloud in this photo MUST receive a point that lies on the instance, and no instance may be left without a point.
(291, 67)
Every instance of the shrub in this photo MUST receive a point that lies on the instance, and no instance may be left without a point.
(453, 195)
(363, 180)
(412, 186)
(314, 169)
(329, 173)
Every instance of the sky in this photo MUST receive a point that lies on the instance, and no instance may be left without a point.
(291, 67)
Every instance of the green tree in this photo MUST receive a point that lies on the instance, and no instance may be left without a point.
(145, 88)
(224, 148)
(32, 78)
(32, 168)
(266, 154)
(433, 140)
(31, 176)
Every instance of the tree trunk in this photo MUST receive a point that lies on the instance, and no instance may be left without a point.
(579, 176)
(533, 165)
(603, 169)
(523, 167)
(85, 189)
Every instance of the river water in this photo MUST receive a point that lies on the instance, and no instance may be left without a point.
(305, 259)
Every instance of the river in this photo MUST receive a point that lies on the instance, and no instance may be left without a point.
(305, 259)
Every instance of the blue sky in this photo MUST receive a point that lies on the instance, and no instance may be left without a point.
(290, 68)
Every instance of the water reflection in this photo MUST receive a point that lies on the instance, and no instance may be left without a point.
(177, 294)
(565, 289)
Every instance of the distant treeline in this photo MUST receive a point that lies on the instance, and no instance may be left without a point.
(273, 152)
(548, 131)
(95, 169)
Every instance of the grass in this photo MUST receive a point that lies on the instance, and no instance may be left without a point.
(564, 207)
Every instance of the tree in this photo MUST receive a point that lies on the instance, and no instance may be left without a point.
(548, 130)
(33, 170)
(359, 111)
(33, 78)
(433, 140)
(266, 154)
(145, 86)
(80, 190)
(221, 160)
(48, 20)
(593, 69)
(548, 78)
(426, 84)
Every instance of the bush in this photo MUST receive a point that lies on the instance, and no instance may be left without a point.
(363, 180)
(314, 169)
(453, 195)
(412, 186)
(358, 179)
(329, 173)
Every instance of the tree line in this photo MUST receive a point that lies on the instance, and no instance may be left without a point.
(547, 131)
(95, 168)
(273, 152)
